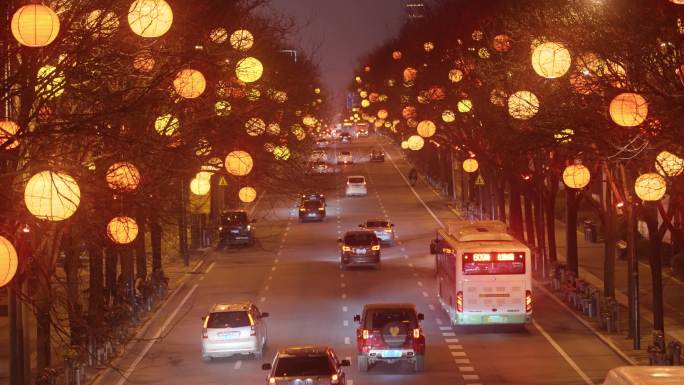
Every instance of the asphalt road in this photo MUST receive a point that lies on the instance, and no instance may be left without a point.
(293, 273)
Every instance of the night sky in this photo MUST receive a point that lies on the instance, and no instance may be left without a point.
(338, 32)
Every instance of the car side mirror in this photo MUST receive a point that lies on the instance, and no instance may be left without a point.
(357, 318)
(345, 363)
(264, 314)
(339, 240)
(266, 366)
(421, 316)
(391, 224)
(433, 246)
(360, 225)
(204, 318)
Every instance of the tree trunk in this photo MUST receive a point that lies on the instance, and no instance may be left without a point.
(609, 235)
(140, 252)
(110, 273)
(156, 242)
(126, 261)
(73, 304)
(515, 209)
(529, 218)
(651, 217)
(501, 199)
(571, 230)
(550, 201)
(96, 288)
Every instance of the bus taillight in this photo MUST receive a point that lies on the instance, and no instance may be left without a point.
(459, 302)
(528, 301)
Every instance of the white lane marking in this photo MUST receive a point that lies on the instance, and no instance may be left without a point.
(270, 277)
(276, 260)
(266, 288)
(445, 328)
(455, 347)
(415, 193)
(345, 322)
(448, 334)
(462, 360)
(431, 306)
(345, 309)
(344, 295)
(459, 354)
(341, 275)
(471, 377)
(350, 382)
(451, 340)
(238, 365)
(410, 264)
(347, 340)
(343, 285)
(563, 354)
(415, 274)
(263, 299)
(425, 294)
(438, 321)
(197, 265)
(403, 249)
(405, 256)
(466, 368)
(587, 325)
(273, 268)
(420, 284)
(201, 278)
(157, 336)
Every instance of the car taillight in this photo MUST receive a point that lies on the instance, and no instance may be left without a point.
(459, 302)
(364, 334)
(302, 209)
(321, 208)
(334, 379)
(346, 248)
(388, 230)
(416, 333)
(252, 331)
(205, 335)
(271, 380)
(375, 247)
(528, 301)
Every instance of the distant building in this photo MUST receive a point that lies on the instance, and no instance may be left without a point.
(415, 9)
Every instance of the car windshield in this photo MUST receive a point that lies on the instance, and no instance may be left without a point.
(345, 153)
(236, 218)
(359, 238)
(228, 319)
(377, 224)
(312, 204)
(357, 179)
(318, 365)
(378, 318)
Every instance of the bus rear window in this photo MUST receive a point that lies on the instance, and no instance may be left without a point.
(493, 263)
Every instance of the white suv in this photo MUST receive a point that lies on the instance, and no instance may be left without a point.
(356, 185)
(231, 329)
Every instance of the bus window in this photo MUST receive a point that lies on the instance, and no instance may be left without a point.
(493, 263)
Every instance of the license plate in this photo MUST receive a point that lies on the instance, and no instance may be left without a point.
(228, 335)
(312, 214)
(360, 251)
(391, 354)
(495, 319)
(235, 231)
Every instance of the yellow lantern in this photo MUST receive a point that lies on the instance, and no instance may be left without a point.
(404, 144)
(218, 35)
(150, 18)
(49, 82)
(502, 43)
(189, 83)
(428, 46)
(166, 124)
(650, 186)
(247, 194)
(358, 79)
(628, 109)
(242, 40)
(274, 128)
(470, 165)
(122, 230)
(455, 75)
(465, 105)
(409, 112)
(396, 55)
(8, 130)
(498, 97)
(382, 114)
(483, 53)
(576, 176)
(239, 163)
(255, 126)
(298, 132)
(551, 60)
(222, 108)
(123, 176)
(564, 136)
(201, 183)
(415, 142)
(53, 196)
(426, 128)
(144, 61)
(309, 121)
(212, 165)
(8, 261)
(281, 153)
(410, 74)
(669, 164)
(448, 116)
(35, 25)
(249, 69)
(365, 103)
(523, 105)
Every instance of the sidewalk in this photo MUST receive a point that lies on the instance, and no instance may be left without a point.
(591, 256)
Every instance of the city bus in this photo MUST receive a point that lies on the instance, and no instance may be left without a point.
(483, 274)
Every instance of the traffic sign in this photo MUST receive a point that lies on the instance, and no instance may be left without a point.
(479, 181)
(222, 181)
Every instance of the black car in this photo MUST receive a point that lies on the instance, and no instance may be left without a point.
(345, 137)
(306, 365)
(359, 248)
(312, 210)
(313, 196)
(236, 229)
(377, 155)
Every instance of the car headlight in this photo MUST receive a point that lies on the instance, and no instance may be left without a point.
(220, 228)
(249, 227)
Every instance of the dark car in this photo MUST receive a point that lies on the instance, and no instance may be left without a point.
(306, 365)
(390, 333)
(360, 248)
(345, 137)
(377, 155)
(236, 229)
(312, 196)
(312, 210)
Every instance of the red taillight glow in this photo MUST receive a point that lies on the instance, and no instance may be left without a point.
(528, 301)
(364, 334)
(459, 302)
(416, 333)
(271, 380)
(205, 335)
(375, 247)
(346, 248)
(334, 379)
(321, 208)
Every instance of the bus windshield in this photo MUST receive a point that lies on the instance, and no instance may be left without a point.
(493, 263)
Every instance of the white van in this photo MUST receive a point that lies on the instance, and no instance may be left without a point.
(645, 375)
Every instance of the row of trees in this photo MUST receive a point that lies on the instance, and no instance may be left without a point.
(130, 102)
(529, 88)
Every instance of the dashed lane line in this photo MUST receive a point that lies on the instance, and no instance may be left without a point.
(563, 354)
(445, 328)
(345, 322)
(448, 334)
(470, 377)
(459, 354)
(347, 341)
(466, 369)
(238, 365)
(455, 347)
(451, 340)
(345, 309)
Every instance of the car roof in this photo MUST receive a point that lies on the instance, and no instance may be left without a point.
(377, 220)
(356, 176)
(234, 211)
(645, 375)
(220, 307)
(307, 350)
(352, 232)
(370, 306)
